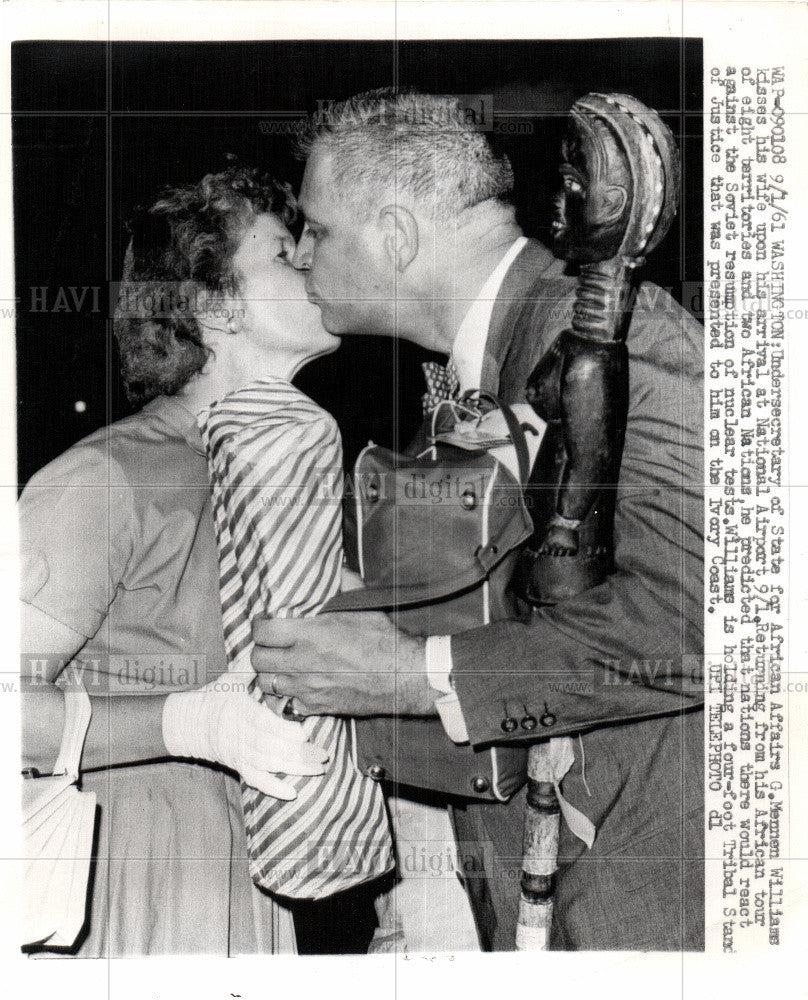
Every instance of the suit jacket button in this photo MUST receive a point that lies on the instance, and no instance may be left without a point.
(509, 724)
(376, 771)
(529, 722)
(480, 784)
(548, 719)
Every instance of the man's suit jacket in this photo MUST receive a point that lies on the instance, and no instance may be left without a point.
(627, 651)
(650, 608)
(630, 649)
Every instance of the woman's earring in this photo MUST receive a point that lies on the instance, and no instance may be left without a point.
(233, 325)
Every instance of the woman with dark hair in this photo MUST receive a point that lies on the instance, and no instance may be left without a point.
(121, 577)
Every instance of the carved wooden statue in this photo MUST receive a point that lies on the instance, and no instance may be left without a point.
(620, 175)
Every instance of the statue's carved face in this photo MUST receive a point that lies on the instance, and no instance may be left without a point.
(595, 201)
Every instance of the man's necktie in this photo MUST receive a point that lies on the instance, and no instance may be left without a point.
(441, 383)
(275, 463)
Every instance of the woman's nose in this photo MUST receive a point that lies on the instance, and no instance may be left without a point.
(302, 256)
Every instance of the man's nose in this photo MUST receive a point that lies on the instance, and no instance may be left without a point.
(302, 256)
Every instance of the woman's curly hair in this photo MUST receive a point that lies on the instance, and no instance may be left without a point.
(180, 247)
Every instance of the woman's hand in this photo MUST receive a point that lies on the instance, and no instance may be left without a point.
(226, 726)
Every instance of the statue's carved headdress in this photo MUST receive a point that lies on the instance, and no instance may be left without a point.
(651, 155)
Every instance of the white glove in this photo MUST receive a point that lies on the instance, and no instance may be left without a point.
(228, 727)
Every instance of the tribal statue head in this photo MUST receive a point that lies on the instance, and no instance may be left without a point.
(620, 175)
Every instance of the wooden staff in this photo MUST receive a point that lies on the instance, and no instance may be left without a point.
(537, 880)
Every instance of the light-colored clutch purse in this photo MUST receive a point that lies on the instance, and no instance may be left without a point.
(58, 823)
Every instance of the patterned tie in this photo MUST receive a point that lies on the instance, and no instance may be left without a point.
(441, 383)
(275, 463)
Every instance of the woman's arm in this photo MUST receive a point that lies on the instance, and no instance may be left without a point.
(123, 730)
(64, 511)
(222, 726)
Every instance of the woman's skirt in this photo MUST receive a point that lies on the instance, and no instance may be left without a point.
(170, 875)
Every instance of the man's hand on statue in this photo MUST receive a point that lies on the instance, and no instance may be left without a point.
(344, 663)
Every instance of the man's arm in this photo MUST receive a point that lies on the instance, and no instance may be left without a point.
(517, 680)
(628, 648)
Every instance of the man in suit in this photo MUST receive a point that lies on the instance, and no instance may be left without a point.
(409, 233)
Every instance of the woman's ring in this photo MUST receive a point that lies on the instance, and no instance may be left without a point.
(275, 691)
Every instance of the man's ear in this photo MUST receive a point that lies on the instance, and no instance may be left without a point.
(401, 235)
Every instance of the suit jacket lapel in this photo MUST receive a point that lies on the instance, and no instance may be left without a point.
(533, 261)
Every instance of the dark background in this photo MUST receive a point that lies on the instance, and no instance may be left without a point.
(98, 128)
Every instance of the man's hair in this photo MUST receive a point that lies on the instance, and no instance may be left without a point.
(417, 144)
(190, 235)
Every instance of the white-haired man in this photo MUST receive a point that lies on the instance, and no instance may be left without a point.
(409, 233)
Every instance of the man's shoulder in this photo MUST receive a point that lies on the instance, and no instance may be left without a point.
(663, 331)
(658, 323)
(536, 306)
